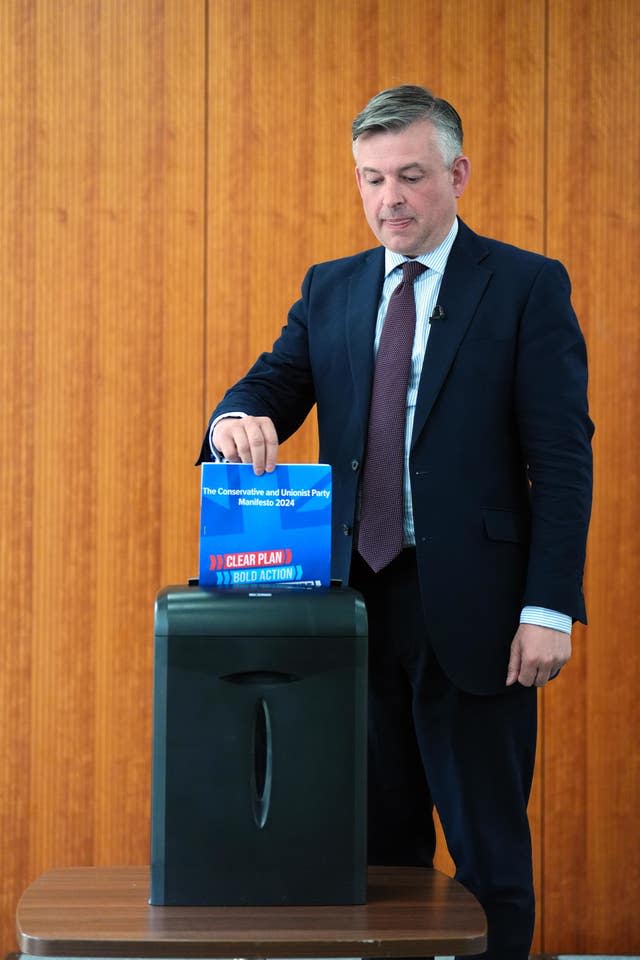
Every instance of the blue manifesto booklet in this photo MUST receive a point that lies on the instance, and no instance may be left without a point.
(273, 530)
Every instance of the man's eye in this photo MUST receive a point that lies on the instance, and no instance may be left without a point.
(374, 183)
(413, 179)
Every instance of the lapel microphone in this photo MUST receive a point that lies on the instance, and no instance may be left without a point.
(438, 313)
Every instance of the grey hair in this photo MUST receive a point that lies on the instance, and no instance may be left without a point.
(398, 107)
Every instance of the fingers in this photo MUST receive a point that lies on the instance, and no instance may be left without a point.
(513, 670)
(534, 678)
(542, 676)
(537, 655)
(537, 673)
(248, 440)
(534, 674)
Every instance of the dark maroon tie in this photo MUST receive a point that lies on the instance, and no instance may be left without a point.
(381, 502)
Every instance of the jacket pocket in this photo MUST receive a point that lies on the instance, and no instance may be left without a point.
(513, 526)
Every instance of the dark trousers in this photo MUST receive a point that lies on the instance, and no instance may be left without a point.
(430, 742)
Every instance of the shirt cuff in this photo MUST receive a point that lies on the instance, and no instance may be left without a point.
(235, 415)
(543, 617)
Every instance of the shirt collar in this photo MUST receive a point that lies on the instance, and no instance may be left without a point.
(435, 259)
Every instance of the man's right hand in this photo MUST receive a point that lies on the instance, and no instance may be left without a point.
(248, 440)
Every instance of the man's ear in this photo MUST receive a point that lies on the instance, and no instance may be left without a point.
(460, 171)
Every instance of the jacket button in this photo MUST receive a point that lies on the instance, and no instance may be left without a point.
(355, 464)
(346, 529)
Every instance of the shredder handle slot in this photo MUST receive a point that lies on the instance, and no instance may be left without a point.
(262, 773)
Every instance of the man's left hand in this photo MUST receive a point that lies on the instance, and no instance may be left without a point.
(537, 655)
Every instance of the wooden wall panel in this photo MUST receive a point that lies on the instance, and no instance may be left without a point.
(152, 249)
(103, 304)
(591, 754)
(65, 355)
(17, 297)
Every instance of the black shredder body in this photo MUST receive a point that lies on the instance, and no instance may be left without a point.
(259, 748)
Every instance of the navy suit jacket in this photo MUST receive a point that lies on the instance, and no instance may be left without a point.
(500, 459)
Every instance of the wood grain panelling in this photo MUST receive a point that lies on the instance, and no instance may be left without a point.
(17, 304)
(591, 755)
(151, 260)
(103, 189)
(63, 682)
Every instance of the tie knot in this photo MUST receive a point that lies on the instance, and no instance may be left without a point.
(411, 270)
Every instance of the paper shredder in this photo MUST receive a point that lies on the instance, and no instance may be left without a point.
(259, 747)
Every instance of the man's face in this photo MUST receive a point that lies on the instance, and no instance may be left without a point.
(409, 195)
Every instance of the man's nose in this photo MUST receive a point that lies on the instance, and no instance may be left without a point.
(393, 194)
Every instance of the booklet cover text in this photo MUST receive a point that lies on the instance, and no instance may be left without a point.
(267, 531)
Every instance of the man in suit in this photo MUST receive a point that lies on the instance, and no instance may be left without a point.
(470, 611)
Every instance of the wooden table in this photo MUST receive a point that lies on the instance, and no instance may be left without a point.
(103, 912)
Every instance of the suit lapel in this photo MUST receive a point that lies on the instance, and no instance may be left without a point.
(363, 296)
(462, 287)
